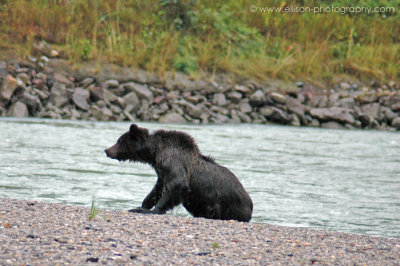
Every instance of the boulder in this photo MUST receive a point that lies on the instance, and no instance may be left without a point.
(276, 115)
(62, 79)
(219, 119)
(294, 106)
(396, 123)
(371, 109)
(111, 83)
(333, 113)
(278, 98)
(194, 111)
(24, 78)
(172, 118)
(97, 93)
(142, 91)
(101, 114)
(244, 117)
(295, 121)
(86, 82)
(266, 111)
(348, 103)
(59, 94)
(132, 100)
(80, 98)
(109, 97)
(31, 101)
(219, 99)
(388, 114)
(257, 98)
(234, 96)
(18, 109)
(245, 107)
(8, 87)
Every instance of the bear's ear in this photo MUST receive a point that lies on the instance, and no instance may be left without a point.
(134, 129)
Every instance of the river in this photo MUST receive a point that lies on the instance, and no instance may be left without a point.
(341, 180)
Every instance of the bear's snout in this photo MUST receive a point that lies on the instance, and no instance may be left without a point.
(110, 152)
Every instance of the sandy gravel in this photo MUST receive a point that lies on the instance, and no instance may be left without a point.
(37, 233)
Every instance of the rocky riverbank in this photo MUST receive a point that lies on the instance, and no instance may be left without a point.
(38, 233)
(51, 88)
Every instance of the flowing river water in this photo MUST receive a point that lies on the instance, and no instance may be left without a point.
(341, 180)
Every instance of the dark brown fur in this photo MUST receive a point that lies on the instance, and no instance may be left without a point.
(205, 188)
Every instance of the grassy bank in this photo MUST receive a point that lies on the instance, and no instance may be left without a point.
(207, 36)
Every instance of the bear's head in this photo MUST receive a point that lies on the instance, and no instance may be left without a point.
(132, 145)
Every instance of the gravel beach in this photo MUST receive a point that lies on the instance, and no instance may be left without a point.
(38, 233)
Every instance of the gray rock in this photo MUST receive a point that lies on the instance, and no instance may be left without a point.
(369, 97)
(333, 113)
(295, 121)
(245, 107)
(294, 106)
(8, 87)
(132, 100)
(31, 101)
(43, 94)
(109, 97)
(242, 89)
(97, 93)
(80, 98)
(348, 103)
(278, 98)
(244, 117)
(172, 118)
(18, 109)
(59, 95)
(111, 83)
(280, 116)
(371, 109)
(234, 96)
(103, 114)
(219, 119)
(344, 86)
(234, 117)
(388, 114)
(62, 79)
(266, 111)
(86, 82)
(194, 110)
(314, 123)
(24, 78)
(142, 91)
(219, 99)
(115, 109)
(257, 98)
(396, 123)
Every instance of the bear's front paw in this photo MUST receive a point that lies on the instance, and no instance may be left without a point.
(140, 210)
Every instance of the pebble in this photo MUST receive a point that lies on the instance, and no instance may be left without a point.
(38, 233)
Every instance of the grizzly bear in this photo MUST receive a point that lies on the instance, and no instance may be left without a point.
(205, 188)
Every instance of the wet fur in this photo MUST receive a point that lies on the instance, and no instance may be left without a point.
(205, 188)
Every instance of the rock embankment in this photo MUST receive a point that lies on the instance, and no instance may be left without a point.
(37, 233)
(50, 88)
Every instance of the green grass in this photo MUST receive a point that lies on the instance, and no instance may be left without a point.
(204, 36)
(93, 210)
